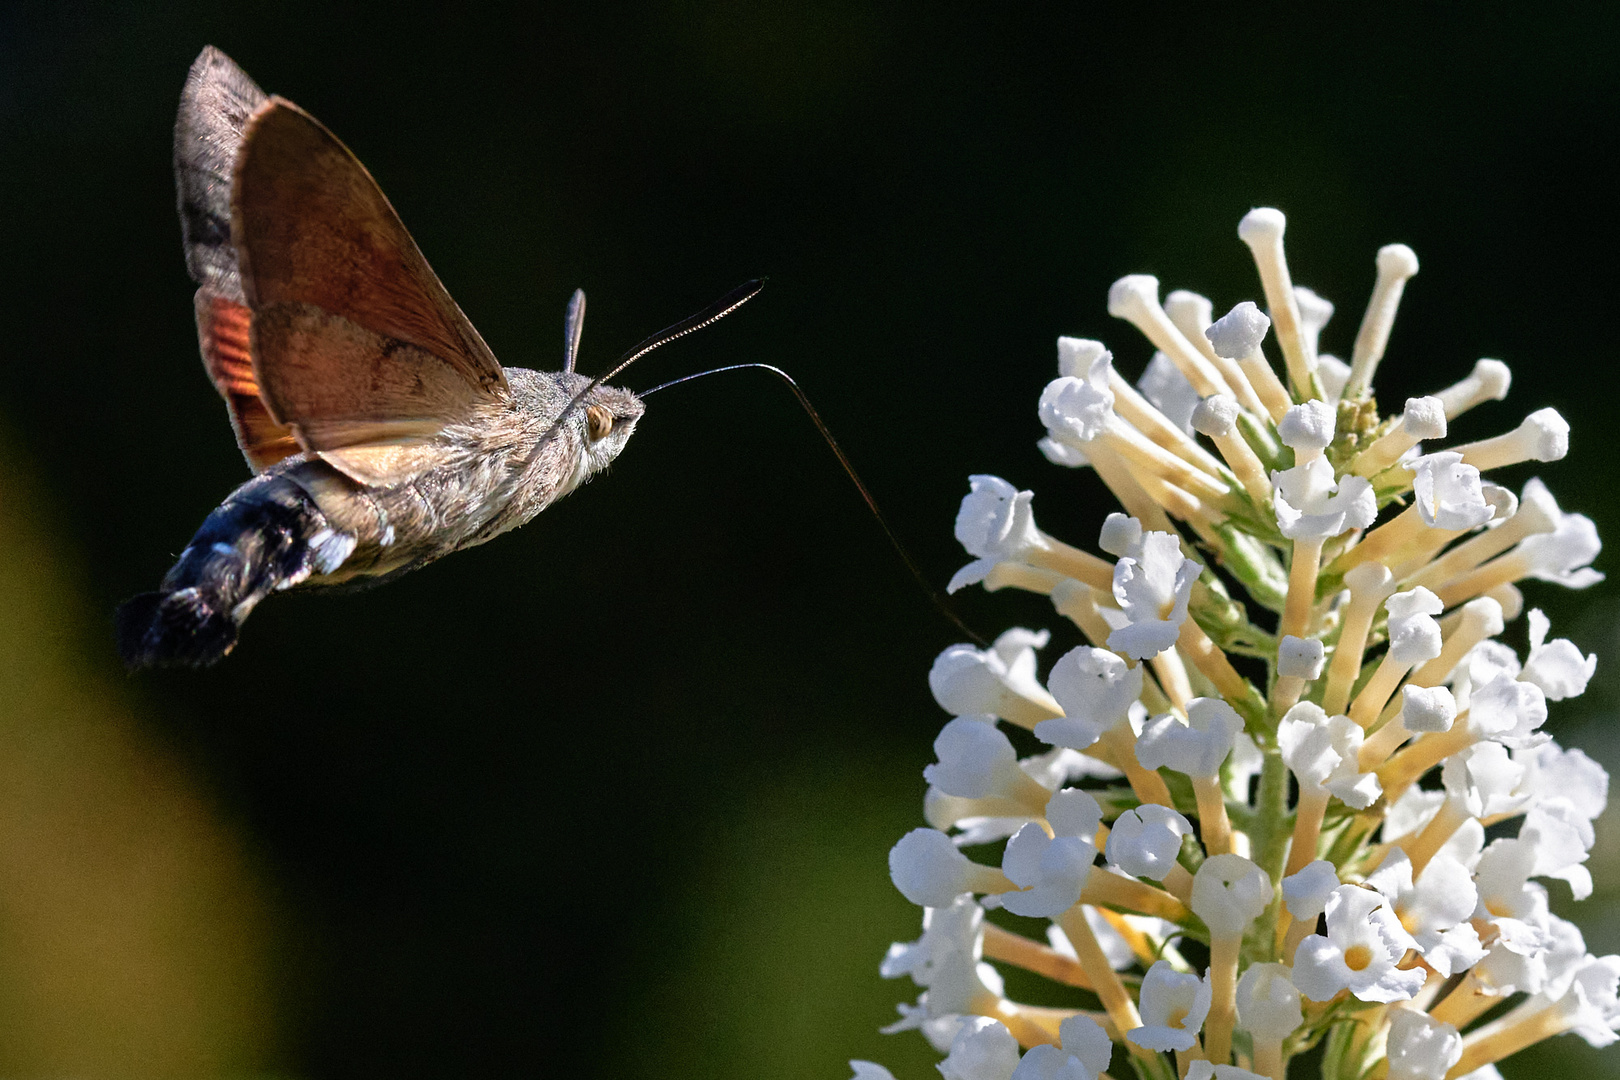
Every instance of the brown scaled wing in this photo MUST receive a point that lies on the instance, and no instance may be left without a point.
(355, 342)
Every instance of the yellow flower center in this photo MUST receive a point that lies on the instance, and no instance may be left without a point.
(1357, 957)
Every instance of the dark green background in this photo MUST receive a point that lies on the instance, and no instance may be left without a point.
(611, 796)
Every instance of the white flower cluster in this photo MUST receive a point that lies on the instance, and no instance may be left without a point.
(1260, 827)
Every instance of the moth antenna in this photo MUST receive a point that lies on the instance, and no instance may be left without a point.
(573, 327)
(716, 311)
(929, 589)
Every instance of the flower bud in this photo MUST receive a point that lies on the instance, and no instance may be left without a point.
(1238, 333)
(1267, 1003)
(1145, 840)
(1308, 426)
(1426, 709)
(1421, 1048)
(1229, 892)
(1300, 658)
(928, 870)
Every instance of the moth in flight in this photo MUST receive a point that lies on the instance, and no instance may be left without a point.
(382, 432)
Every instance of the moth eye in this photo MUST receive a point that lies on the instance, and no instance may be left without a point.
(598, 422)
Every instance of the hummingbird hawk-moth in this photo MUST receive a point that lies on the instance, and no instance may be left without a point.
(382, 432)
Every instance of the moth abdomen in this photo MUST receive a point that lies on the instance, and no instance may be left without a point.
(268, 535)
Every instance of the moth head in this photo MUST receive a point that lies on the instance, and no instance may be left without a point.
(606, 419)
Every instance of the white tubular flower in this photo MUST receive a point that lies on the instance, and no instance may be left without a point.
(1561, 840)
(1121, 536)
(1173, 1009)
(1229, 892)
(1421, 1048)
(1070, 457)
(1424, 418)
(1306, 893)
(999, 680)
(1543, 436)
(1564, 555)
(1153, 589)
(1322, 752)
(1145, 841)
(1457, 950)
(982, 1050)
(1238, 334)
(1074, 812)
(1591, 1006)
(1314, 313)
(1300, 658)
(1310, 505)
(1489, 381)
(950, 934)
(1507, 711)
(1307, 428)
(1427, 708)
(1516, 961)
(1448, 493)
(1077, 355)
(1551, 772)
(960, 988)
(1442, 897)
(1484, 780)
(938, 1030)
(995, 524)
(1050, 871)
(1095, 690)
(1414, 636)
(1396, 263)
(1216, 416)
(1163, 384)
(1236, 337)
(1502, 876)
(1267, 1003)
(1195, 748)
(929, 871)
(982, 821)
(1135, 298)
(1364, 942)
(976, 760)
(1085, 1051)
(1191, 312)
(1333, 374)
(1565, 954)
(869, 1070)
(1412, 811)
(1076, 410)
(1558, 666)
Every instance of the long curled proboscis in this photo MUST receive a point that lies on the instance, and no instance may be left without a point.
(935, 597)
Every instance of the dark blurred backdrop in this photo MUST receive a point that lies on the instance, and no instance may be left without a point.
(612, 795)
